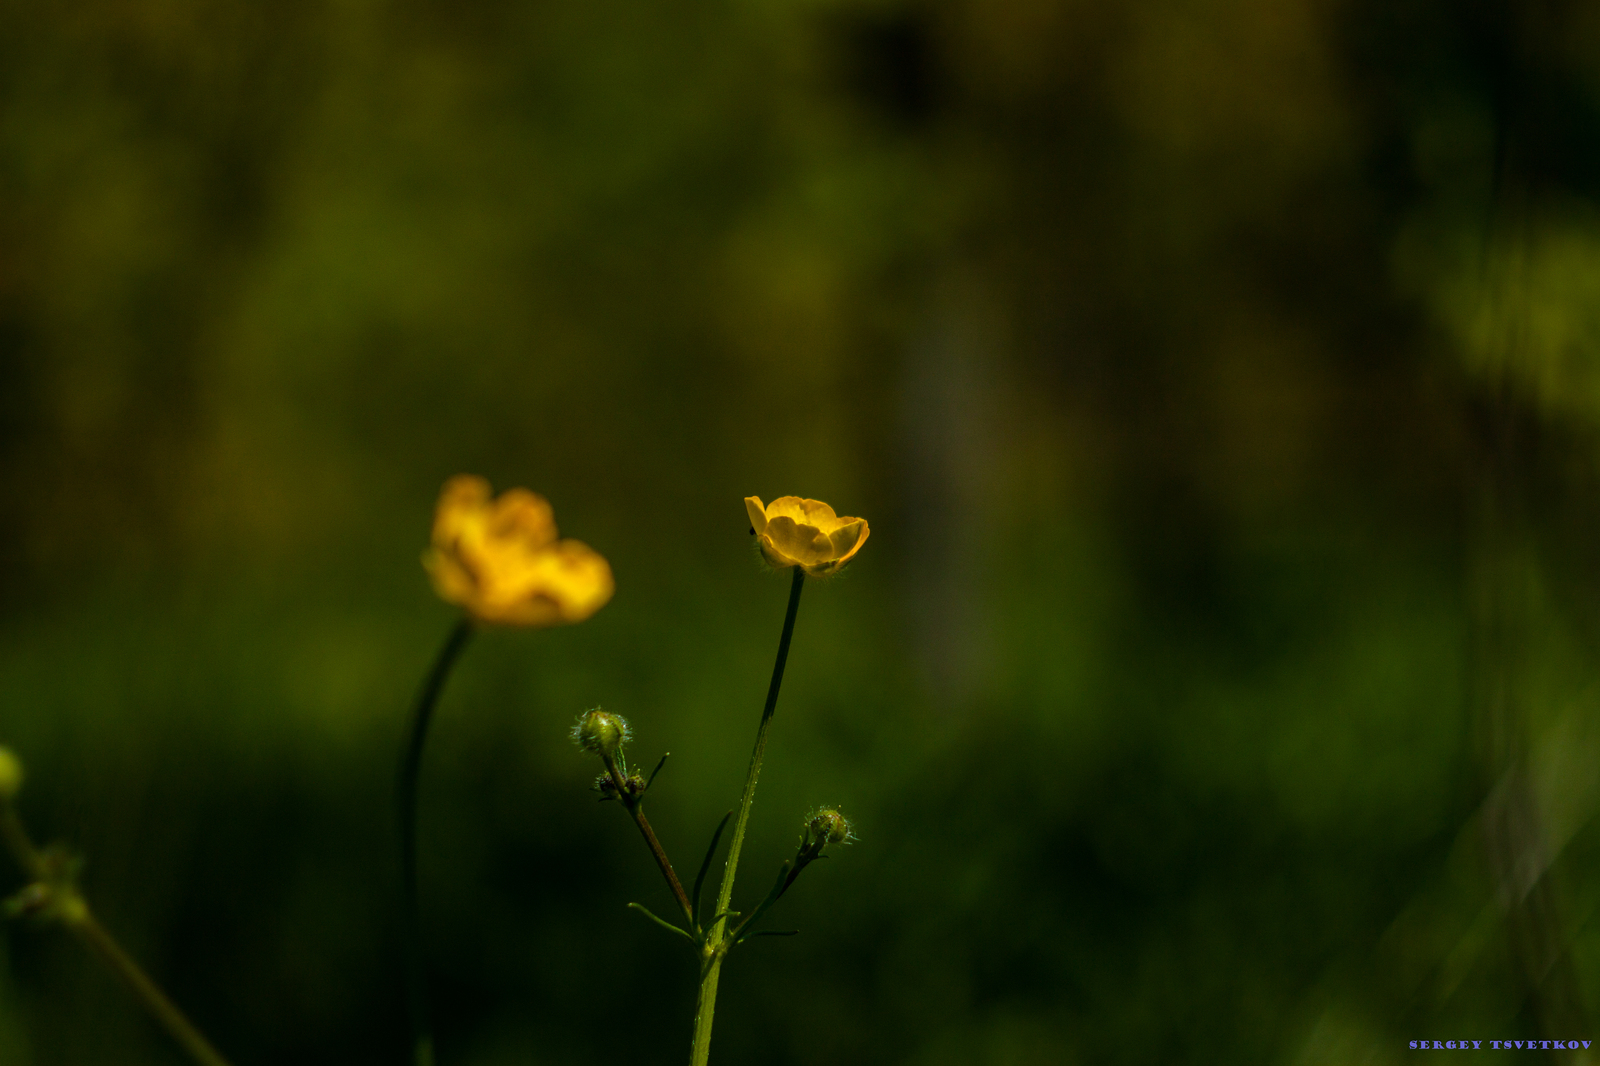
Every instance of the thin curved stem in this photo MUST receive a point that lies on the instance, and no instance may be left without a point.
(717, 941)
(68, 906)
(406, 799)
(634, 806)
(105, 947)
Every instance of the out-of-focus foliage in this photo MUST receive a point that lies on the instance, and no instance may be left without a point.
(1221, 379)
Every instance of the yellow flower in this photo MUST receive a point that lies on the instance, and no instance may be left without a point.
(500, 559)
(805, 533)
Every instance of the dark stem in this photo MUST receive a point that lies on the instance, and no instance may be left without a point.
(725, 892)
(406, 796)
(789, 614)
(786, 877)
(73, 912)
(634, 806)
(717, 938)
(799, 864)
(104, 947)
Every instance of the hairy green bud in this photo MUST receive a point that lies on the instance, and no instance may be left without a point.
(632, 785)
(600, 732)
(828, 826)
(10, 775)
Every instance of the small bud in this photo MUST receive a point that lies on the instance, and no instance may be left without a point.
(600, 732)
(55, 896)
(828, 826)
(632, 785)
(10, 775)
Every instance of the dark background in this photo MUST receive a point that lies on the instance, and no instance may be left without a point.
(1221, 379)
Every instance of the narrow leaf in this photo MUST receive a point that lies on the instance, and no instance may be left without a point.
(769, 932)
(663, 924)
(656, 771)
(779, 886)
(700, 879)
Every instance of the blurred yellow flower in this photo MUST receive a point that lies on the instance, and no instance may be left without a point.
(500, 559)
(805, 533)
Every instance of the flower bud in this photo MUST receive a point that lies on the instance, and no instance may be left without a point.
(632, 785)
(600, 732)
(828, 826)
(10, 775)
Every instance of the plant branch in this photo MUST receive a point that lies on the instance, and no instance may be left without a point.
(60, 899)
(82, 922)
(717, 942)
(725, 893)
(406, 801)
(634, 806)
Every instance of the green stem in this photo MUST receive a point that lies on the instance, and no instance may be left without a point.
(69, 906)
(406, 797)
(633, 804)
(94, 935)
(716, 940)
(705, 1006)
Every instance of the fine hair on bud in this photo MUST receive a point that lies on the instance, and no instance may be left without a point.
(10, 774)
(601, 732)
(827, 826)
(632, 785)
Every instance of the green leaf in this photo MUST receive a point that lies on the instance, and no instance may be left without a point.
(779, 886)
(663, 924)
(769, 932)
(700, 878)
(656, 771)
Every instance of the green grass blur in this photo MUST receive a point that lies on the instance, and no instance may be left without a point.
(1222, 383)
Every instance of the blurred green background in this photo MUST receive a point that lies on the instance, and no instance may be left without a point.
(1221, 379)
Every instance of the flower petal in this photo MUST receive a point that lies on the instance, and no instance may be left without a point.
(531, 612)
(802, 544)
(846, 539)
(758, 513)
(524, 516)
(564, 583)
(787, 507)
(450, 579)
(804, 512)
(499, 559)
(860, 540)
(819, 514)
(776, 559)
(463, 497)
(579, 578)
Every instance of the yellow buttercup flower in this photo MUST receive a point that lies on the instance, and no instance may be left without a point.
(500, 559)
(804, 533)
